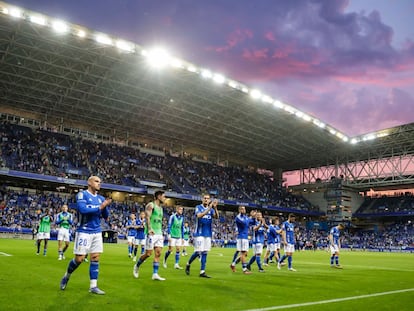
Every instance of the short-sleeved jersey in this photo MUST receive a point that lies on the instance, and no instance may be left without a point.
(335, 232)
(242, 223)
(89, 214)
(155, 219)
(289, 228)
(186, 233)
(131, 231)
(44, 225)
(64, 220)
(141, 230)
(176, 226)
(204, 225)
(259, 234)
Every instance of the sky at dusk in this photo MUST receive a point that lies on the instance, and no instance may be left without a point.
(348, 62)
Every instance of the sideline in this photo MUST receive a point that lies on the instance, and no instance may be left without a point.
(305, 304)
(5, 254)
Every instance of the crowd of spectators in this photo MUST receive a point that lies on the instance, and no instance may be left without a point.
(402, 202)
(21, 209)
(44, 152)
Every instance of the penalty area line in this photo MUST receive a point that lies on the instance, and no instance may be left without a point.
(5, 254)
(305, 304)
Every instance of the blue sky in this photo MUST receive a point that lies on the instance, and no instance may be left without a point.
(347, 62)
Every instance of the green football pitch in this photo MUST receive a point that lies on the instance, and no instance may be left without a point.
(369, 281)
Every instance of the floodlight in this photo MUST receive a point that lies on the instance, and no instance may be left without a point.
(104, 39)
(299, 114)
(37, 19)
(5, 11)
(125, 46)
(81, 33)
(345, 139)
(60, 26)
(205, 73)
(255, 94)
(267, 99)
(218, 78)
(176, 63)
(191, 68)
(278, 104)
(354, 141)
(16, 13)
(233, 84)
(306, 117)
(332, 131)
(245, 89)
(158, 57)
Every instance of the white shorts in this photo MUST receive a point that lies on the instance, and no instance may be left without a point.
(63, 235)
(202, 244)
(242, 245)
(271, 247)
(43, 235)
(186, 242)
(139, 241)
(290, 248)
(131, 239)
(277, 246)
(86, 243)
(334, 249)
(175, 242)
(258, 248)
(155, 240)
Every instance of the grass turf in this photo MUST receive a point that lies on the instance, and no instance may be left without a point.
(30, 282)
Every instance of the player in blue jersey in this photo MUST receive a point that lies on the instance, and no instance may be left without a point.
(131, 227)
(259, 229)
(175, 233)
(140, 236)
(91, 207)
(203, 232)
(335, 245)
(273, 241)
(64, 220)
(288, 240)
(243, 223)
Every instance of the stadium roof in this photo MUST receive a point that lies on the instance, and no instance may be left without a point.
(67, 74)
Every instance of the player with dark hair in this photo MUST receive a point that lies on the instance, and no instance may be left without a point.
(155, 238)
(203, 232)
(288, 239)
(64, 220)
(335, 244)
(43, 233)
(140, 236)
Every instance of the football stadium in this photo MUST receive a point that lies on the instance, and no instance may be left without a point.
(79, 106)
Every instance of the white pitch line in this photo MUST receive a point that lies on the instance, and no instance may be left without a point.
(305, 304)
(5, 254)
(357, 266)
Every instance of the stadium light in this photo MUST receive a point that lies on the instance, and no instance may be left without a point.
(104, 39)
(158, 57)
(218, 78)
(176, 63)
(37, 19)
(60, 26)
(5, 11)
(125, 46)
(267, 99)
(245, 90)
(278, 104)
(354, 141)
(15, 12)
(81, 33)
(233, 84)
(306, 117)
(256, 94)
(191, 68)
(205, 73)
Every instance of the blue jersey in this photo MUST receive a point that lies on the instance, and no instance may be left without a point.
(335, 232)
(141, 230)
(277, 237)
(271, 234)
(243, 222)
(289, 228)
(89, 214)
(204, 225)
(132, 231)
(259, 234)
